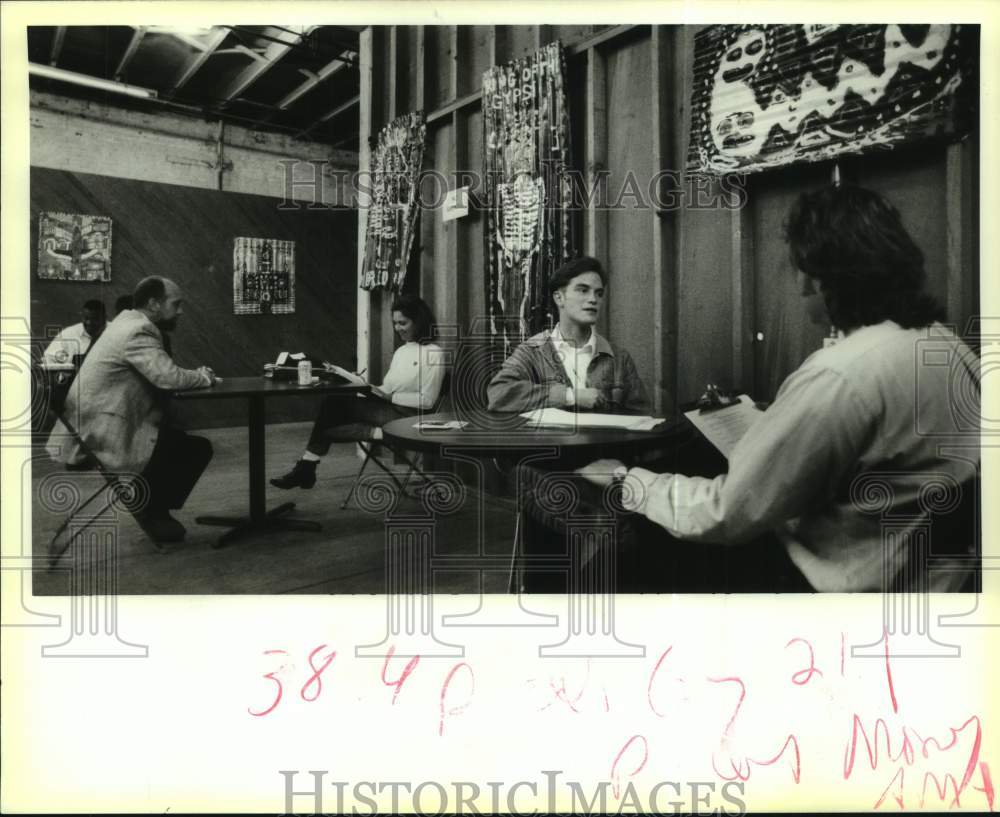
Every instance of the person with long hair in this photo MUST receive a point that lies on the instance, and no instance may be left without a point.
(857, 435)
(412, 384)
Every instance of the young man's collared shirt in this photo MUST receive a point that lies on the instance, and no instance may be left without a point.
(575, 359)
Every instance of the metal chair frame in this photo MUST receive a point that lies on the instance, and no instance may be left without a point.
(91, 463)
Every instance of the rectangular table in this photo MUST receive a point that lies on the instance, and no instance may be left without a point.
(256, 390)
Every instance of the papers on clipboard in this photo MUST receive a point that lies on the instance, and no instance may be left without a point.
(560, 418)
(726, 426)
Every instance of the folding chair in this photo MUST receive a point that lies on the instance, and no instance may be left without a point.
(368, 446)
(112, 484)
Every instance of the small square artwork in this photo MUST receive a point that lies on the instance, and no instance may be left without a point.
(263, 276)
(74, 247)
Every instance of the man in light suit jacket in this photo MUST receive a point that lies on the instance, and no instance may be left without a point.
(118, 400)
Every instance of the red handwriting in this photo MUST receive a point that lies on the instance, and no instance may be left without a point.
(455, 710)
(313, 682)
(909, 742)
(741, 766)
(987, 787)
(562, 695)
(615, 774)
(273, 677)
(808, 671)
(652, 677)
(888, 673)
(398, 683)
(317, 672)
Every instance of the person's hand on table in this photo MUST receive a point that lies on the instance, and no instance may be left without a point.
(585, 398)
(603, 472)
(212, 378)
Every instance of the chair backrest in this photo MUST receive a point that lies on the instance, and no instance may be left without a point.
(443, 401)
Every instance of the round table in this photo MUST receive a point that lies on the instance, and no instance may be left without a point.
(503, 433)
(507, 436)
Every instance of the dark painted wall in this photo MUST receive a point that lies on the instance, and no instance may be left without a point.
(187, 234)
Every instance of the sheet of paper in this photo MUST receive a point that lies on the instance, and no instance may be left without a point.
(351, 377)
(725, 427)
(562, 418)
(450, 425)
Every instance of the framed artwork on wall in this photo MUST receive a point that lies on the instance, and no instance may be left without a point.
(263, 276)
(74, 247)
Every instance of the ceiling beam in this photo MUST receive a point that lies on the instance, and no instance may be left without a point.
(253, 72)
(133, 46)
(190, 68)
(57, 44)
(333, 67)
(330, 114)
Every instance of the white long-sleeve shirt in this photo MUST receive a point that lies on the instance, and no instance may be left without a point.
(73, 340)
(415, 375)
(880, 417)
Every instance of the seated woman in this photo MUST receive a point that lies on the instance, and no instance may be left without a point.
(411, 385)
(836, 485)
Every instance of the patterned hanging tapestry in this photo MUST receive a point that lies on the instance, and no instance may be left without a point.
(392, 215)
(263, 276)
(528, 191)
(766, 96)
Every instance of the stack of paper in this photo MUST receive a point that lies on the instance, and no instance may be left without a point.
(560, 418)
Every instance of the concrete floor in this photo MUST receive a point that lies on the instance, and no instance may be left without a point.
(347, 556)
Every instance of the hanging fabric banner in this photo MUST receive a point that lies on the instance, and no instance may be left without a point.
(263, 276)
(528, 200)
(767, 96)
(392, 215)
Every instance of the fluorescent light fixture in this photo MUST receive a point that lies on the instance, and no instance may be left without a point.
(63, 75)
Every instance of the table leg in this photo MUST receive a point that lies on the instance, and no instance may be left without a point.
(259, 518)
(255, 427)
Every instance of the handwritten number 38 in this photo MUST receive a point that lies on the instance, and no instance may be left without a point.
(311, 689)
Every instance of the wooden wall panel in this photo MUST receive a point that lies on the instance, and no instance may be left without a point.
(913, 180)
(704, 348)
(519, 41)
(187, 234)
(629, 256)
(788, 336)
(438, 57)
(573, 34)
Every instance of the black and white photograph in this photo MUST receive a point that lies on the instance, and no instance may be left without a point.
(539, 327)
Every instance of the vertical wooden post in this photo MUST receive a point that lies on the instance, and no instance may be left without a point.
(665, 150)
(420, 60)
(959, 232)
(596, 162)
(364, 167)
(447, 276)
(743, 300)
